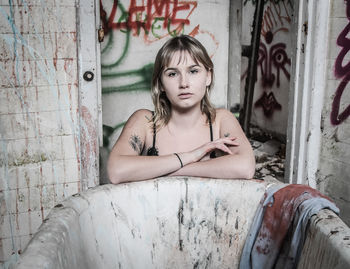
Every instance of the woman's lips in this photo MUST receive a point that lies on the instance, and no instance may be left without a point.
(185, 95)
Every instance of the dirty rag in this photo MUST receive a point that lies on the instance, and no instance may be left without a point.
(276, 236)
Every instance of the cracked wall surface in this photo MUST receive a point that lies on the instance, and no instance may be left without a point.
(39, 130)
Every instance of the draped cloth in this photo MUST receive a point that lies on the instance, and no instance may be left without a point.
(277, 234)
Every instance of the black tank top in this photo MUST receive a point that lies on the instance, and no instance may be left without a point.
(153, 151)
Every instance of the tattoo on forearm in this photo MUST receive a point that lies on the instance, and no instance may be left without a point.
(136, 143)
(227, 135)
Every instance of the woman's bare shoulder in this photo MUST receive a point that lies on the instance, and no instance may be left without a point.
(222, 113)
(135, 132)
(140, 116)
(227, 121)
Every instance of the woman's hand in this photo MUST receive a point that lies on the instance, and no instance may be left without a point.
(221, 144)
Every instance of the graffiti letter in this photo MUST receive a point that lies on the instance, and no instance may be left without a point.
(177, 8)
(337, 118)
(133, 9)
(340, 71)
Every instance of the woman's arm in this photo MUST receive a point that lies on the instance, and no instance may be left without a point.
(239, 164)
(126, 164)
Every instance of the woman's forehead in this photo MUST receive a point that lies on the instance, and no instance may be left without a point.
(181, 58)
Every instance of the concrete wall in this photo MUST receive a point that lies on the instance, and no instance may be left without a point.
(39, 120)
(334, 168)
(270, 101)
(135, 31)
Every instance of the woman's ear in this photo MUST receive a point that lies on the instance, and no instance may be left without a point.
(208, 81)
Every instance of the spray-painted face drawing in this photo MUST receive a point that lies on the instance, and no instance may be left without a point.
(276, 57)
(272, 60)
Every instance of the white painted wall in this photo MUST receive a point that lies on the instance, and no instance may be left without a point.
(41, 161)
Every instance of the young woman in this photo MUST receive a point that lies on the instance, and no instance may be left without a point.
(185, 135)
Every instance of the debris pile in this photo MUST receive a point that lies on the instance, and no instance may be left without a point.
(270, 157)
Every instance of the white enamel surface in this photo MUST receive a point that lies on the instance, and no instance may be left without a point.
(163, 223)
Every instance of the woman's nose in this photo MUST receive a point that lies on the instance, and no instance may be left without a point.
(183, 81)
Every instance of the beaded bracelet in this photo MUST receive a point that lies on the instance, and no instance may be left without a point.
(177, 155)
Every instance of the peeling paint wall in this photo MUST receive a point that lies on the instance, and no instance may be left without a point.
(39, 130)
(270, 101)
(135, 31)
(334, 169)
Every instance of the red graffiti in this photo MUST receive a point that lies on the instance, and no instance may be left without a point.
(268, 103)
(342, 71)
(276, 17)
(143, 16)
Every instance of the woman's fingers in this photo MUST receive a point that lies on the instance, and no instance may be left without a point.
(227, 141)
(221, 144)
(231, 141)
(224, 148)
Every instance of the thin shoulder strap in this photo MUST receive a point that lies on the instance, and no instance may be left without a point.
(154, 131)
(212, 154)
(211, 129)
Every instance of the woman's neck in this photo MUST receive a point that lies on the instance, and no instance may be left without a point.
(186, 119)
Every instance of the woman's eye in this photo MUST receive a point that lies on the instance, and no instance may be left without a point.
(194, 71)
(171, 74)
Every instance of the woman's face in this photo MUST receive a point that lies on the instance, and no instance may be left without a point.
(184, 81)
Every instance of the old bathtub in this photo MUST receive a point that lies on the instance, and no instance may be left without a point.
(169, 223)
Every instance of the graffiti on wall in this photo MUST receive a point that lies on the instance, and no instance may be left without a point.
(152, 17)
(273, 61)
(342, 70)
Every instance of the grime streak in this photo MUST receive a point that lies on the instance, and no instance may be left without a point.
(180, 217)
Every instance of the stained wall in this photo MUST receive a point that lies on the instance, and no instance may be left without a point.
(334, 169)
(39, 126)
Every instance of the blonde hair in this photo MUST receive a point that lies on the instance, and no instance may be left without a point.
(196, 50)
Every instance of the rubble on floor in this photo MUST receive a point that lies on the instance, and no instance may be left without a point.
(270, 157)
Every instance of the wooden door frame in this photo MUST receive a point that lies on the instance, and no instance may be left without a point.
(90, 108)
